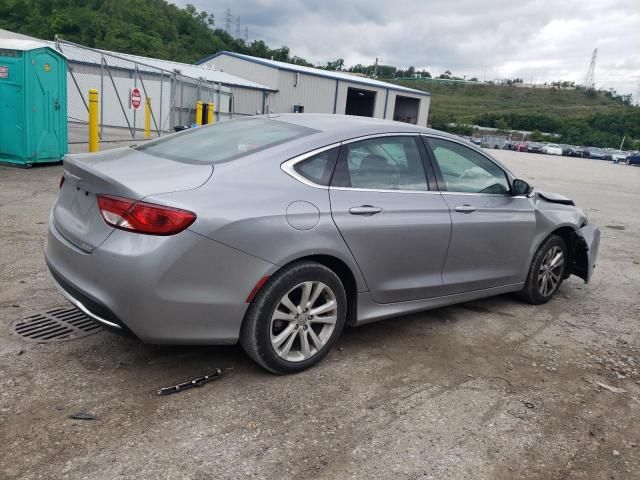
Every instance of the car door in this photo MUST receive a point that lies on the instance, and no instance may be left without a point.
(492, 229)
(396, 227)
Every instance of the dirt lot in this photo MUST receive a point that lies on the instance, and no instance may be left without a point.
(492, 389)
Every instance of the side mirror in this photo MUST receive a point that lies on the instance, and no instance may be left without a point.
(520, 187)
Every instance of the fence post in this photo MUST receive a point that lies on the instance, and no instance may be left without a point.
(199, 112)
(210, 109)
(147, 118)
(93, 120)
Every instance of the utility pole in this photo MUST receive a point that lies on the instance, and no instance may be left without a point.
(375, 69)
(589, 79)
(238, 31)
(227, 22)
(246, 34)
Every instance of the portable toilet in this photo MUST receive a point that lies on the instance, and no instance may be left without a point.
(33, 103)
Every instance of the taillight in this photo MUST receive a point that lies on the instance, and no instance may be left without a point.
(143, 217)
(61, 181)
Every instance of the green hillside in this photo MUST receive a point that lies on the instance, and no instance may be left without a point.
(580, 116)
(153, 28)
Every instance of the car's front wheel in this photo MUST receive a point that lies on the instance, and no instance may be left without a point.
(295, 319)
(547, 271)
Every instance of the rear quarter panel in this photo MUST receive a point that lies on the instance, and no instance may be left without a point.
(244, 205)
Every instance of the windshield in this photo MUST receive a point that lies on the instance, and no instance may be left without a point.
(225, 141)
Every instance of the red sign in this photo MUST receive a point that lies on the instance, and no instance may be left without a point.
(136, 98)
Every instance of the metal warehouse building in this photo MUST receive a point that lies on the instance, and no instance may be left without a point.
(305, 89)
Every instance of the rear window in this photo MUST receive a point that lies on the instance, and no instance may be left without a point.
(225, 141)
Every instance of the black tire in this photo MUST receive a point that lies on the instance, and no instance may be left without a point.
(255, 334)
(531, 292)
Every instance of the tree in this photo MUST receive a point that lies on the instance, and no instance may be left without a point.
(502, 126)
(336, 65)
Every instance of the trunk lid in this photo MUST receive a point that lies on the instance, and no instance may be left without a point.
(124, 173)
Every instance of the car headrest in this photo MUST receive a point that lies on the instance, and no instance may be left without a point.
(373, 163)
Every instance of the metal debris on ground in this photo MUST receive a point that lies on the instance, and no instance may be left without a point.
(610, 388)
(83, 416)
(529, 405)
(196, 382)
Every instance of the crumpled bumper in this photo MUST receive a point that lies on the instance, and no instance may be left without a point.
(586, 251)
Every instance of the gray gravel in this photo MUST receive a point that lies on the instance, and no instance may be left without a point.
(492, 389)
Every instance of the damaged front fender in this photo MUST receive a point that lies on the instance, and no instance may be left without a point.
(585, 251)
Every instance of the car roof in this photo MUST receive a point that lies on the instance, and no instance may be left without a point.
(346, 126)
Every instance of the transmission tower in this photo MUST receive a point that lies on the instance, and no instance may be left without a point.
(246, 34)
(638, 96)
(238, 30)
(227, 22)
(589, 79)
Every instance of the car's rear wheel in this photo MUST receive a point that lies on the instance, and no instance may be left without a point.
(547, 271)
(628, 162)
(295, 319)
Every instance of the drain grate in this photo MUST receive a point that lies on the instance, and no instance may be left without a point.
(55, 325)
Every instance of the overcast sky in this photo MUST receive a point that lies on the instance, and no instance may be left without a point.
(538, 40)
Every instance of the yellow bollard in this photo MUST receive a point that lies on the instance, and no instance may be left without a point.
(147, 118)
(93, 120)
(210, 109)
(198, 113)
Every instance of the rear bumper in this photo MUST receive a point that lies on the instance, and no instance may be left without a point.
(182, 289)
(90, 307)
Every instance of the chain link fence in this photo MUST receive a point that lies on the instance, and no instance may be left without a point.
(172, 95)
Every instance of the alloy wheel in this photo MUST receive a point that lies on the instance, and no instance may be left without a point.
(550, 272)
(303, 321)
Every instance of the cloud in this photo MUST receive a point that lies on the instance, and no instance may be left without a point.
(538, 40)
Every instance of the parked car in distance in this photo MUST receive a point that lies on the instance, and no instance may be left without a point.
(576, 151)
(565, 149)
(595, 153)
(552, 149)
(278, 230)
(633, 159)
(522, 146)
(534, 147)
(476, 140)
(618, 156)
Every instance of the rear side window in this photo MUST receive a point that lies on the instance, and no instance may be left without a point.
(225, 141)
(318, 168)
(384, 163)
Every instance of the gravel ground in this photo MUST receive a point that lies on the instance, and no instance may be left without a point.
(492, 389)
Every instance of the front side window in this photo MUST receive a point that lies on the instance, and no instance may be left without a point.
(385, 163)
(467, 171)
(225, 141)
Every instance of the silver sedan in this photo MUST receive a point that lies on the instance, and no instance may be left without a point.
(277, 230)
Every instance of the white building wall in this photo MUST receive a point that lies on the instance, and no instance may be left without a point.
(315, 93)
(247, 101)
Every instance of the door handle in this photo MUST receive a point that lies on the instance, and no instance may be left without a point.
(366, 210)
(465, 208)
